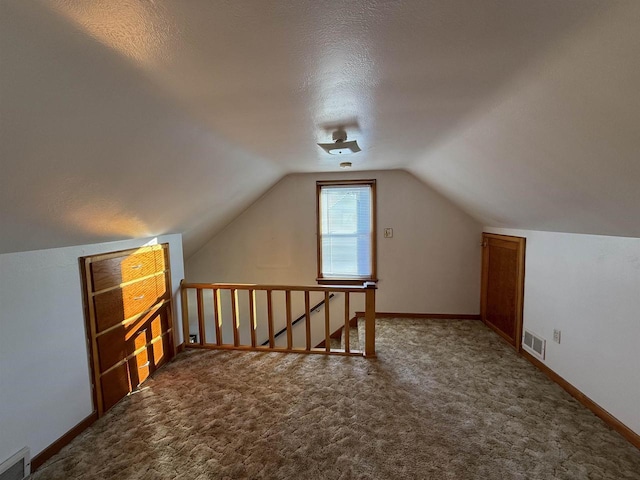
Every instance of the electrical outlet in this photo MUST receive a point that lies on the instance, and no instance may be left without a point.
(556, 336)
(388, 232)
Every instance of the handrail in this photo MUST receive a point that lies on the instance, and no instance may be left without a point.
(292, 288)
(367, 289)
(299, 319)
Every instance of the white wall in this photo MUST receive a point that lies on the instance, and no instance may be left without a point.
(588, 287)
(431, 265)
(44, 370)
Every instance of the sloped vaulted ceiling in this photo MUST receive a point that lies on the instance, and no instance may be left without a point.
(558, 148)
(128, 118)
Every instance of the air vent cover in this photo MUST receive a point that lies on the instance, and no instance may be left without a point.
(16, 467)
(534, 344)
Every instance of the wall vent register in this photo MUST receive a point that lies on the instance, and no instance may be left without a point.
(17, 466)
(534, 344)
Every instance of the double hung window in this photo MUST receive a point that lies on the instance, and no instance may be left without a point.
(346, 231)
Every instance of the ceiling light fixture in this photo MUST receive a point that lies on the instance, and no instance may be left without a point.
(340, 145)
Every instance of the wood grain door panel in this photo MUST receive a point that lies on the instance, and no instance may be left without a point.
(162, 287)
(114, 306)
(161, 258)
(139, 367)
(502, 285)
(124, 340)
(112, 348)
(129, 319)
(111, 272)
(115, 385)
(501, 288)
(161, 351)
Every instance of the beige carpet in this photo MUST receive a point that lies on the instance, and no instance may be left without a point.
(444, 400)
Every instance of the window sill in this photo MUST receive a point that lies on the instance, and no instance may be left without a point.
(345, 281)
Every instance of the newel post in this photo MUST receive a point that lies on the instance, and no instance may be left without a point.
(185, 314)
(370, 320)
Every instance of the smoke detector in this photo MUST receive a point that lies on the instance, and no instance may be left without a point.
(340, 146)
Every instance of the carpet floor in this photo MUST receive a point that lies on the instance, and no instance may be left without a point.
(445, 399)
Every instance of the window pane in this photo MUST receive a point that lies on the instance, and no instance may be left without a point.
(345, 229)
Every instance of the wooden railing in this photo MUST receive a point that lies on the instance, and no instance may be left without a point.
(240, 313)
(313, 309)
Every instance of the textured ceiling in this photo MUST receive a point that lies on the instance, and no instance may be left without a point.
(132, 118)
(559, 148)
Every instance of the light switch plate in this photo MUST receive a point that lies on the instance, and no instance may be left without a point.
(388, 232)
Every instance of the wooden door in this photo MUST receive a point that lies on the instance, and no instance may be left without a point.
(129, 319)
(503, 285)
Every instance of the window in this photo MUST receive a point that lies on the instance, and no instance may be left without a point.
(346, 231)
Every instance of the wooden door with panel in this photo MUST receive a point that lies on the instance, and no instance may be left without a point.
(129, 319)
(503, 285)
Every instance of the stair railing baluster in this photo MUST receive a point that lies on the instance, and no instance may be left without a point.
(347, 323)
(287, 298)
(368, 290)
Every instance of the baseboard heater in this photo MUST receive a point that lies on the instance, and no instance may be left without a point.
(16, 467)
